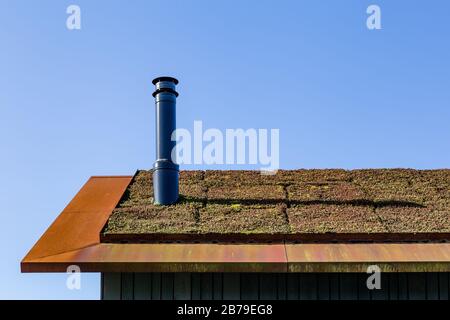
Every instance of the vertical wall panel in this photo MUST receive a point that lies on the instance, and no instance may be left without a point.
(231, 286)
(249, 286)
(292, 286)
(383, 293)
(217, 286)
(281, 286)
(196, 284)
(393, 286)
(156, 286)
(206, 286)
(348, 286)
(268, 286)
(127, 284)
(417, 286)
(403, 290)
(432, 285)
(323, 286)
(142, 286)
(111, 286)
(444, 286)
(182, 286)
(334, 286)
(363, 292)
(167, 286)
(308, 286)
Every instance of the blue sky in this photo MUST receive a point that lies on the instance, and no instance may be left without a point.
(78, 103)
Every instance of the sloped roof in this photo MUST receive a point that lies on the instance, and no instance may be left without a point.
(294, 205)
(74, 239)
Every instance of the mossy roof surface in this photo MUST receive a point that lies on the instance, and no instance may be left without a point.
(291, 202)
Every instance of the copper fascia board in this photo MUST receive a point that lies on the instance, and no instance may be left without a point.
(74, 239)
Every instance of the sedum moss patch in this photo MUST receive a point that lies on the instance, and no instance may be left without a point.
(243, 219)
(415, 220)
(257, 193)
(334, 219)
(325, 191)
(153, 219)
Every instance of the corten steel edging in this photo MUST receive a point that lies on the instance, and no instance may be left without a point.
(390, 257)
(80, 223)
(167, 258)
(362, 267)
(248, 258)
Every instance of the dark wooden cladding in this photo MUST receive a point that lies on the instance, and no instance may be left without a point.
(273, 286)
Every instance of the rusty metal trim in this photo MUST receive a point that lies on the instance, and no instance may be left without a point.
(248, 258)
(357, 267)
(79, 224)
(166, 258)
(390, 257)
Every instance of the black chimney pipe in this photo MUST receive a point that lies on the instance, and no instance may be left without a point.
(165, 170)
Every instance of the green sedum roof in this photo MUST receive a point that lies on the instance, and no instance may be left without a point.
(291, 205)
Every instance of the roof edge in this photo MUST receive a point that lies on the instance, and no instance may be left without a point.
(280, 258)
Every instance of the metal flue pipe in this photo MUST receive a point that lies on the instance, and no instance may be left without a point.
(165, 170)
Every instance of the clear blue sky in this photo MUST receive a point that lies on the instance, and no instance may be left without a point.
(78, 103)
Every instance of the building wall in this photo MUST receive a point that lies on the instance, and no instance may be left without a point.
(296, 286)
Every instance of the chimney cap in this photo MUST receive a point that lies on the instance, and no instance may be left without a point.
(156, 80)
(165, 84)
